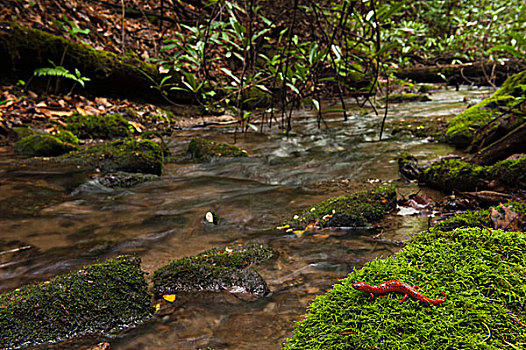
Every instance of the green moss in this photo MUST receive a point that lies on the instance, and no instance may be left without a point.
(23, 132)
(98, 298)
(454, 174)
(67, 136)
(105, 126)
(214, 270)
(356, 209)
(476, 218)
(43, 145)
(203, 149)
(129, 155)
(408, 97)
(510, 173)
(463, 127)
(483, 273)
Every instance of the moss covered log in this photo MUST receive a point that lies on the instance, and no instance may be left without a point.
(456, 74)
(482, 271)
(23, 49)
(492, 118)
(203, 149)
(214, 270)
(357, 209)
(98, 298)
(128, 155)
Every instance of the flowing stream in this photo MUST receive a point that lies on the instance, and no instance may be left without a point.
(162, 220)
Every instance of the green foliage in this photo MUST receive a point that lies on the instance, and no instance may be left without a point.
(277, 60)
(483, 273)
(70, 28)
(453, 31)
(59, 71)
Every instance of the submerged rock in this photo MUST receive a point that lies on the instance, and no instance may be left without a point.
(409, 97)
(128, 155)
(203, 149)
(215, 270)
(106, 183)
(42, 145)
(357, 209)
(95, 299)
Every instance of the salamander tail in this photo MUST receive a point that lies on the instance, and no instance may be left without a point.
(439, 301)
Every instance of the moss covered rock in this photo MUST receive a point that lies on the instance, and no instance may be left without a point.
(95, 299)
(463, 128)
(203, 149)
(42, 145)
(483, 273)
(455, 174)
(107, 126)
(128, 155)
(357, 209)
(214, 270)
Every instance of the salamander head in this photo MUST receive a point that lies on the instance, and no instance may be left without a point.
(360, 285)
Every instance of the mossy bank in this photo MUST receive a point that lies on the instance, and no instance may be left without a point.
(482, 271)
(99, 298)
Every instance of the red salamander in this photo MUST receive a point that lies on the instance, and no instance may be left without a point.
(396, 286)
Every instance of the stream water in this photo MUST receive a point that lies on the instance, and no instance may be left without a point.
(162, 220)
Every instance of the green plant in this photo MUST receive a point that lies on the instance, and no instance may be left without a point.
(70, 28)
(62, 72)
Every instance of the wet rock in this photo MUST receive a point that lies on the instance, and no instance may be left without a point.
(98, 298)
(408, 166)
(203, 149)
(215, 270)
(127, 155)
(42, 145)
(409, 97)
(108, 182)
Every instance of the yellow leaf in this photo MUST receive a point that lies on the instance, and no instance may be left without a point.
(298, 233)
(157, 307)
(282, 227)
(169, 298)
(137, 126)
